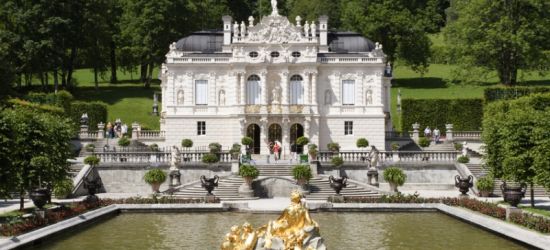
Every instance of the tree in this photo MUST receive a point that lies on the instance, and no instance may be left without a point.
(38, 146)
(517, 140)
(401, 26)
(502, 36)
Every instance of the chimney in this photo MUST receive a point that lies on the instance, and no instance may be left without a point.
(323, 30)
(227, 30)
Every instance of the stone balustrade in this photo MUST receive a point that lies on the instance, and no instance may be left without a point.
(155, 157)
(88, 135)
(151, 135)
(467, 135)
(353, 60)
(392, 156)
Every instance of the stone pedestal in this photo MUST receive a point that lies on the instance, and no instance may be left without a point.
(449, 133)
(41, 213)
(135, 130)
(337, 198)
(175, 178)
(372, 175)
(245, 190)
(210, 199)
(416, 133)
(511, 211)
(313, 167)
(235, 167)
(101, 130)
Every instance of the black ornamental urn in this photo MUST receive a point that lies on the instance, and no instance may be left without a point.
(40, 197)
(338, 183)
(513, 193)
(209, 183)
(464, 184)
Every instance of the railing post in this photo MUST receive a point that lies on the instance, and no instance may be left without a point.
(101, 131)
(416, 133)
(449, 133)
(135, 130)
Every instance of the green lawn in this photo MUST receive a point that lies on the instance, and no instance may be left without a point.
(536, 210)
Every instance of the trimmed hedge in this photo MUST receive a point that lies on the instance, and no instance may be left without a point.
(97, 112)
(60, 99)
(464, 114)
(499, 93)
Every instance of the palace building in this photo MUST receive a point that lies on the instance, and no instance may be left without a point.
(275, 80)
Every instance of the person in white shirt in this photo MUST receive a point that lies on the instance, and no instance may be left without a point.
(437, 133)
(427, 132)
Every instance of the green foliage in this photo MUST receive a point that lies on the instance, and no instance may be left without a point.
(499, 36)
(464, 114)
(154, 147)
(210, 158)
(235, 149)
(215, 148)
(89, 147)
(302, 141)
(362, 143)
(458, 146)
(91, 160)
(337, 161)
(312, 150)
(497, 93)
(25, 105)
(155, 176)
(395, 175)
(395, 146)
(62, 189)
(124, 141)
(301, 172)
(247, 141)
(186, 143)
(62, 99)
(423, 142)
(333, 146)
(247, 170)
(97, 112)
(485, 183)
(463, 159)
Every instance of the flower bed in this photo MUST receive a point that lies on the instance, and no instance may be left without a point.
(538, 223)
(19, 225)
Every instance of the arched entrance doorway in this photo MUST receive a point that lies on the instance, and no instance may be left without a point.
(275, 133)
(253, 131)
(296, 131)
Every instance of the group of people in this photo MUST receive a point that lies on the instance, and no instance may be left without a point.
(117, 130)
(436, 134)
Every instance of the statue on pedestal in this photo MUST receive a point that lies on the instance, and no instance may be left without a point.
(276, 95)
(275, 11)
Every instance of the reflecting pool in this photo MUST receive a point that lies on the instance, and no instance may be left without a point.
(340, 230)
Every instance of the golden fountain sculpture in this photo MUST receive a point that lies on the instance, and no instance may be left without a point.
(293, 230)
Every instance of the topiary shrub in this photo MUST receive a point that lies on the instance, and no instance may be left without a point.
(337, 161)
(423, 142)
(395, 176)
(313, 151)
(215, 148)
(301, 172)
(247, 170)
(210, 158)
(186, 143)
(463, 159)
(235, 151)
(89, 147)
(124, 141)
(395, 146)
(485, 185)
(91, 160)
(302, 141)
(63, 189)
(247, 141)
(97, 112)
(154, 147)
(334, 147)
(458, 146)
(362, 143)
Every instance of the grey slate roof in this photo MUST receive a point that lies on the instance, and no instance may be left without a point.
(211, 41)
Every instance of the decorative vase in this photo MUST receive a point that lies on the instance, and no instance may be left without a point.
(156, 187)
(248, 180)
(464, 184)
(338, 183)
(209, 183)
(485, 193)
(513, 193)
(393, 187)
(39, 197)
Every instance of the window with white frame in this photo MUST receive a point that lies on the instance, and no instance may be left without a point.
(296, 90)
(201, 92)
(348, 128)
(201, 128)
(348, 92)
(253, 90)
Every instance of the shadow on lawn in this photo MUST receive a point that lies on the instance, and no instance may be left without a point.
(112, 93)
(420, 83)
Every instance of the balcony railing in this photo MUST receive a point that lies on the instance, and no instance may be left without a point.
(393, 156)
(156, 157)
(467, 135)
(151, 135)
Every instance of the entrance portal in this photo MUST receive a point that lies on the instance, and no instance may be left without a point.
(296, 131)
(253, 131)
(275, 133)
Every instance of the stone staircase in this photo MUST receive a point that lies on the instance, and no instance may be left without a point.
(320, 189)
(441, 146)
(478, 171)
(227, 190)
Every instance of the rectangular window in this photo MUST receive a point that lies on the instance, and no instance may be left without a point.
(201, 92)
(348, 128)
(201, 128)
(296, 92)
(348, 92)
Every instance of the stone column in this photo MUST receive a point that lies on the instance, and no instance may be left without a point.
(307, 89)
(242, 80)
(286, 136)
(449, 133)
(264, 150)
(101, 131)
(416, 133)
(286, 98)
(264, 90)
(314, 89)
(135, 130)
(307, 132)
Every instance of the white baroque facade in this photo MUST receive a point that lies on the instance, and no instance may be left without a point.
(275, 80)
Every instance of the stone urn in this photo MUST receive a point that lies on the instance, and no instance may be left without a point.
(92, 186)
(464, 184)
(209, 183)
(513, 193)
(40, 197)
(338, 183)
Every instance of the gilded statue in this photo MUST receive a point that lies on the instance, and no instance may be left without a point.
(293, 230)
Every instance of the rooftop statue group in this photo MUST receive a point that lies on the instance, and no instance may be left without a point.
(293, 230)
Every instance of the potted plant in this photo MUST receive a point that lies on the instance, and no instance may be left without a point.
(395, 177)
(334, 147)
(210, 158)
(124, 141)
(313, 151)
(337, 161)
(302, 141)
(91, 160)
(463, 159)
(63, 189)
(302, 174)
(235, 151)
(458, 146)
(247, 141)
(155, 177)
(423, 142)
(249, 173)
(485, 186)
(362, 143)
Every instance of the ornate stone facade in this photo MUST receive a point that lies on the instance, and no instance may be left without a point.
(275, 80)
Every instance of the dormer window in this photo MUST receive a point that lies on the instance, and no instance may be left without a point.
(296, 54)
(275, 54)
(253, 54)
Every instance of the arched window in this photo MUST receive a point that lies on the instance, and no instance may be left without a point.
(296, 90)
(348, 92)
(253, 90)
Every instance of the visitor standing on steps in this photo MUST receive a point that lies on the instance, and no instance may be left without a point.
(427, 132)
(437, 133)
(276, 149)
